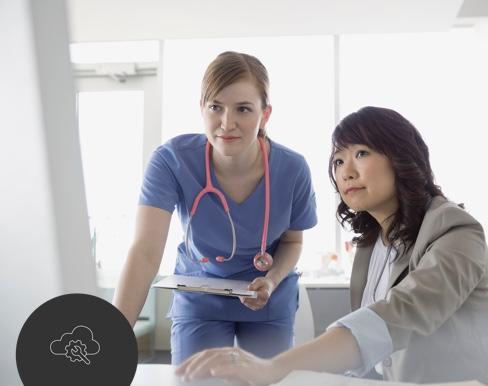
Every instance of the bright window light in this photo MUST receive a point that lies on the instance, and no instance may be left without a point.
(438, 81)
(110, 125)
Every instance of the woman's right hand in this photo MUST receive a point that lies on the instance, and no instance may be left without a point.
(264, 287)
(236, 366)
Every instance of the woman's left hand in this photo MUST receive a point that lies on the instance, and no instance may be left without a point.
(264, 286)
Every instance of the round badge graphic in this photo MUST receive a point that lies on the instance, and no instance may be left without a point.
(76, 339)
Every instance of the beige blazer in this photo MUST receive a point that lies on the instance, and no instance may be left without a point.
(436, 309)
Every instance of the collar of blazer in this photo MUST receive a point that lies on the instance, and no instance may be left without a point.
(360, 269)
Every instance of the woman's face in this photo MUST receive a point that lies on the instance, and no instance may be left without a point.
(366, 181)
(233, 118)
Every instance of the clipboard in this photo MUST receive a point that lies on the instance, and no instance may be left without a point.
(207, 285)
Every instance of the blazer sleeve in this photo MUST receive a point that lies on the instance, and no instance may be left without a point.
(448, 261)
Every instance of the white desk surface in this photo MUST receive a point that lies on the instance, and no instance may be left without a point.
(163, 375)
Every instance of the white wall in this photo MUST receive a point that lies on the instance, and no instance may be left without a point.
(44, 236)
(96, 20)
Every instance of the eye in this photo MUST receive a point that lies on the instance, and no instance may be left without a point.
(214, 108)
(361, 153)
(337, 162)
(243, 109)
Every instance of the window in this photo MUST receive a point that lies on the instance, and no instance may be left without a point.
(438, 81)
(119, 113)
(110, 125)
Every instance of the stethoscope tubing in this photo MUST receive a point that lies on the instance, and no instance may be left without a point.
(264, 238)
(210, 188)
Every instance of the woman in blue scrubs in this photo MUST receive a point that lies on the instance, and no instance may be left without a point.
(235, 109)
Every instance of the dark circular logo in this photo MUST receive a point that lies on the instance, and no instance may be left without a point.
(76, 339)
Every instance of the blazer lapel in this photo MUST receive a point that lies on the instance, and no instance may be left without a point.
(359, 275)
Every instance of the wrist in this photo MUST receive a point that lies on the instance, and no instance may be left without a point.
(275, 281)
(281, 367)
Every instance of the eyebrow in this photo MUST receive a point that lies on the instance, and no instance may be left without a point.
(238, 103)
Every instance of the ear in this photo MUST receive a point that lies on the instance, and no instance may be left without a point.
(266, 114)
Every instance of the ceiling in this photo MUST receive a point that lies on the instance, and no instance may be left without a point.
(113, 20)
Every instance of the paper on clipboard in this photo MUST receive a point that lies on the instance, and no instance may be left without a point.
(206, 285)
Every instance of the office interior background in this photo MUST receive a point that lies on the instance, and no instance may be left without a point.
(136, 72)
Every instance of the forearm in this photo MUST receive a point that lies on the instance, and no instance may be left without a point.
(284, 260)
(335, 351)
(134, 284)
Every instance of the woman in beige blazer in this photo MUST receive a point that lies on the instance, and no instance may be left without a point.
(419, 286)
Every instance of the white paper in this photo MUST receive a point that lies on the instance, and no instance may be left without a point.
(207, 285)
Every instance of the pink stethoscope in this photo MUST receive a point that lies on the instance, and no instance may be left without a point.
(262, 260)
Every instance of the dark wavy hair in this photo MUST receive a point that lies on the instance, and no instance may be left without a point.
(389, 133)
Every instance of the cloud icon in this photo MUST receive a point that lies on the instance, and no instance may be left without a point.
(76, 345)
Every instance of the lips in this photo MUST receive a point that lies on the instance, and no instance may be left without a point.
(352, 190)
(227, 138)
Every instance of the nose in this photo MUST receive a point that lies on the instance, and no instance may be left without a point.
(228, 120)
(348, 171)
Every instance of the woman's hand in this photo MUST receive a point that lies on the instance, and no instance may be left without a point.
(234, 365)
(264, 286)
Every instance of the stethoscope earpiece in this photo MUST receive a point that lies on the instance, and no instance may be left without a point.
(263, 260)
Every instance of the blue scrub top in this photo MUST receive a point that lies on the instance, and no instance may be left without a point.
(173, 178)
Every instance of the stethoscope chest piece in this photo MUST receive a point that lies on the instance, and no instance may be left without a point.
(263, 261)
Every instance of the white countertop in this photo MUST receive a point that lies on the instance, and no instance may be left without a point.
(325, 281)
(163, 375)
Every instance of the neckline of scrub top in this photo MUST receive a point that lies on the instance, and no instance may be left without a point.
(229, 199)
